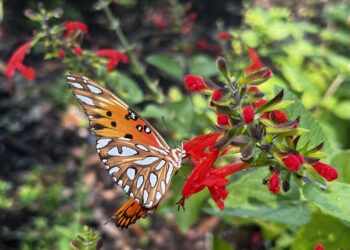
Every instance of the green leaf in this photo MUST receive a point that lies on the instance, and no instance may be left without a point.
(315, 134)
(169, 65)
(203, 66)
(341, 161)
(248, 198)
(323, 229)
(220, 244)
(334, 201)
(128, 89)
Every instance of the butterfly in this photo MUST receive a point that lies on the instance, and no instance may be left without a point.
(133, 152)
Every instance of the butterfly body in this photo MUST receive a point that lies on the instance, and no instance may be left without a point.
(133, 152)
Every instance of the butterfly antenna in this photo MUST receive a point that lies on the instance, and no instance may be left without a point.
(167, 130)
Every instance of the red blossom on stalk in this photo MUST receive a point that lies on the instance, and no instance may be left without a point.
(274, 183)
(319, 246)
(255, 62)
(203, 44)
(224, 35)
(16, 62)
(248, 114)
(114, 56)
(74, 26)
(217, 95)
(194, 83)
(293, 162)
(61, 54)
(78, 51)
(326, 171)
(279, 116)
(223, 120)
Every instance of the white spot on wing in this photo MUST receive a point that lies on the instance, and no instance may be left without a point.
(101, 143)
(145, 196)
(153, 179)
(150, 203)
(71, 78)
(126, 188)
(132, 195)
(114, 169)
(85, 99)
(120, 183)
(170, 171)
(76, 85)
(94, 90)
(126, 151)
(147, 160)
(162, 185)
(160, 165)
(104, 160)
(163, 152)
(142, 147)
(131, 173)
(158, 196)
(139, 181)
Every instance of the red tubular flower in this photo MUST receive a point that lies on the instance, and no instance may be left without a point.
(255, 62)
(196, 148)
(223, 120)
(260, 103)
(326, 171)
(114, 56)
(16, 62)
(292, 162)
(61, 54)
(217, 95)
(224, 35)
(319, 246)
(74, 26)
(279, 116)
(194, 83)
(274, 183)
(78, 51)
(248, 114)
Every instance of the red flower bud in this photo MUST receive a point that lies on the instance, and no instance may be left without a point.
(194, 83)
(319, 246)
(274, 183)
(223, 120)
(259, 103)
(217, 95)
(61, 54)
(279, 116)
(248, 114)
(300, 158)
(78, 51)
(292, 162)
(224, 35)
(253, 89)
(268, 74)
(327, 171)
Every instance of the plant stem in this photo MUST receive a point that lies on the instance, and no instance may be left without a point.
(139, 67)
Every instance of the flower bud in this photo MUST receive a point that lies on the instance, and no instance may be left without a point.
(217, 95)
(292, 162)
(279, 116)
(326, 171)
(194, 83)
(223, 120)
(248, 114)
(222, 66)
(224, 35)
(274, 183)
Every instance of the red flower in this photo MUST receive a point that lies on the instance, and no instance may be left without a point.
(217, 95)
(293, 162)
(327, 171)
(194, 83)
(196, 148)
(16, 62)
(224, 35)
(274, 183)
(223, 120)
(260, 103)
(255, 62)
(158, 20)
(253, 89)
(279, 116)
(74, 26)
(114, 56)
(203, 44)
(319, 246)
(78, 51)
(248, 114)
(61, 54)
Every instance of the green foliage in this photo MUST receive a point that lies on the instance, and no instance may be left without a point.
(5, 200)
(88, 240)
(341, 161)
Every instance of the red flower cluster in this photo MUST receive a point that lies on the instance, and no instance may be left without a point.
(203, 154)
(114, 56)
(255, 62)
(74, 26)
(293, 162)
(224, 35)
(319, 246)
(16, 62)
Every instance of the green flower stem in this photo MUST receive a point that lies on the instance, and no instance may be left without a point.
(139, 67)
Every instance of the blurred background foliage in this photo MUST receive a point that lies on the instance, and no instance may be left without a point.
(52, 183)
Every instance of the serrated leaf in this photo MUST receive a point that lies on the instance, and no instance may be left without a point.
(334, 201)
(248, 198)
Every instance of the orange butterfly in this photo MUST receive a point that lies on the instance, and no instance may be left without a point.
(133, 152)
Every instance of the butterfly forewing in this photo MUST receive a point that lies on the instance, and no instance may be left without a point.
(135, 155)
